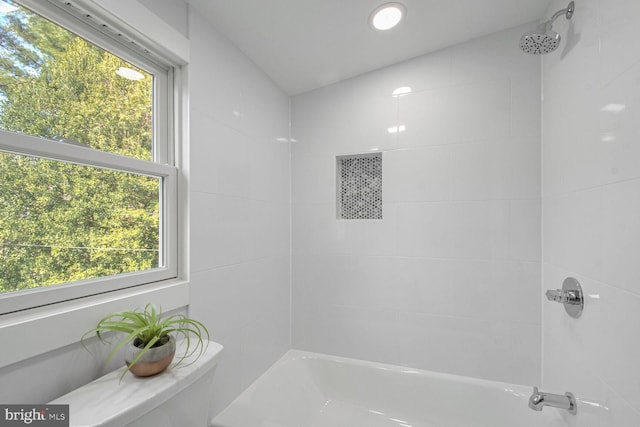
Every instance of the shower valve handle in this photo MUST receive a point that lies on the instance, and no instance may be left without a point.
(570, 296)
(564, 297)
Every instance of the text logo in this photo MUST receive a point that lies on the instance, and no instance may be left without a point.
(34, 415)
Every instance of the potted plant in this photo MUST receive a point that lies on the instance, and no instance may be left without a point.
(150, 340)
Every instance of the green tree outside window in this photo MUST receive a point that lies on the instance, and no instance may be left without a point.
(61, 222)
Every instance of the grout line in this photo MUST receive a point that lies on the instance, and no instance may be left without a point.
(290, 232)
(542, 204)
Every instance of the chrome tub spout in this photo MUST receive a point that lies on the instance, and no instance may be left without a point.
(539, 400)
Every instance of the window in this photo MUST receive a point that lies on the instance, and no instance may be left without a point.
(88, 186)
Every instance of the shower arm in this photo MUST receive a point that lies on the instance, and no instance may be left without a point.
(568, 13)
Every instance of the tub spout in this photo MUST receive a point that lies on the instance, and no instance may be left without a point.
(539, 400)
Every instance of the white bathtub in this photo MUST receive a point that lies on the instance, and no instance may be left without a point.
(313, 390)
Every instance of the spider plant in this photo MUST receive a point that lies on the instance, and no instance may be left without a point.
(147, 329)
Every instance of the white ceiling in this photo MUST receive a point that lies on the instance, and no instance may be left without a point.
(306, 44)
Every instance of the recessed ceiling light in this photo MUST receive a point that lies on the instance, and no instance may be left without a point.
(387, 16)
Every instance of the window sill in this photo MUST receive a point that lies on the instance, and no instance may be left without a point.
(44, 329)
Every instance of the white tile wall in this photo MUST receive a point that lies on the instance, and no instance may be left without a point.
(590, 210)
(440, 282)
(239, 206)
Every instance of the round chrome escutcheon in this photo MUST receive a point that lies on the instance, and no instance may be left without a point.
(575, 305)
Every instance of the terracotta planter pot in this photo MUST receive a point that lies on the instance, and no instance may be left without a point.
(154, 361)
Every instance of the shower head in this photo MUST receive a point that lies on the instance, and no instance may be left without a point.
(543, 39)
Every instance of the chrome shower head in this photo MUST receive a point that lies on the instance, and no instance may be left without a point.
(544, 39)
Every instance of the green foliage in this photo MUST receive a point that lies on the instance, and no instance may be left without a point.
(146, 328)
(62, 222)
(26, 41)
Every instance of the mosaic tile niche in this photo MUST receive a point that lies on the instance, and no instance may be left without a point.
(359, 186)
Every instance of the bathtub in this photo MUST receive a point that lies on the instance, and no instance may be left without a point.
(313, 390)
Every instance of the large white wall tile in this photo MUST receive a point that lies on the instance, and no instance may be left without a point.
(494, 56)
(525, 177)
(573, 236)
(270, 169)
(480, 170)
(268, 230)
(474, 230)
(369, 123)
(220, 231)
(315, 276)
(618, 114)
(219, 88)
(428, 117)
(618, 412)
(227, 386)
(621, 235)
(425, 230)
(316, 175)
(483, 349)
(525, 218)
(361, 333)
(239, 182)
(617, 30)
(469, 112)
(366, 282)
(422, 285)
(417, 175)
(422, 73)
(526, 117)
(590, 221)
(316, 229)
(217, 295)
(573, 161)
(220, 163)
(458, 247)
(494, 290)
(618, 319)
(371, 237)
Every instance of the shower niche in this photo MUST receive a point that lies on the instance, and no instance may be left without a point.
(359, 186)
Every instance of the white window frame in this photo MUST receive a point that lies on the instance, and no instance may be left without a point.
(43, 148)
(60, 314)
